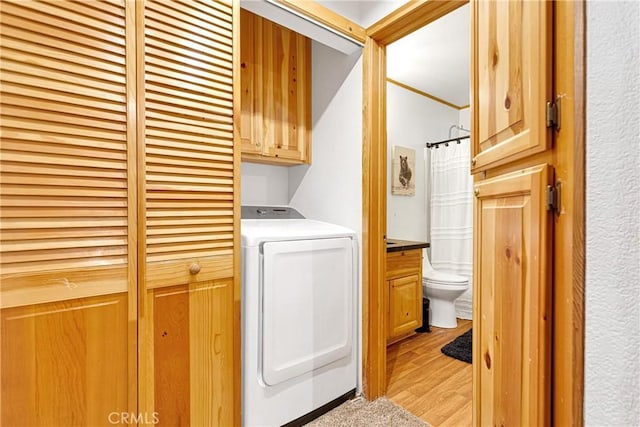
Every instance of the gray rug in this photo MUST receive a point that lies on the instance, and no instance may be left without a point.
(361, 413)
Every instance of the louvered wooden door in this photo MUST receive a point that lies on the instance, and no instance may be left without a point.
(68, 224)
(120, 297)
(189, 307)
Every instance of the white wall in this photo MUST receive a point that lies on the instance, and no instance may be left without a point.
(330, 189)
(612, 335)
(412, 121)
(264, 184)
(363, 12)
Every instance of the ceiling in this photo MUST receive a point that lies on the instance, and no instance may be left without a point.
(434, 59)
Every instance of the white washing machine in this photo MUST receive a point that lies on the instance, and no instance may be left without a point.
(299, 333)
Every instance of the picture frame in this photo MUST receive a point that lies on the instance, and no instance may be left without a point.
(403, 171)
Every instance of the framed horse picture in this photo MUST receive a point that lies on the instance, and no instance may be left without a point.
(403, 166)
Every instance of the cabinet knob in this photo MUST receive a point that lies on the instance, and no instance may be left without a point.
(195, 268)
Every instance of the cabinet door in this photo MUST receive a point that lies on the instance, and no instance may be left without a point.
(68, 197)
(405, 304)
(512, 58)
(252, 85)
(189, 308)
(276, 92)
(512, 328)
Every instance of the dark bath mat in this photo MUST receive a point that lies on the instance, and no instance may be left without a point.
(460, 348)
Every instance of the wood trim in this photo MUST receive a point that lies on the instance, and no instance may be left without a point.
(327, 17)
(425, 94)
(145, 316)
(132, 203)
(236, 284)
(568, 358)
(410, 17)
(374, 223)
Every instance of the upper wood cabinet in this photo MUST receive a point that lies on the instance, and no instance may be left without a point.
(512, 54)
(275, 73)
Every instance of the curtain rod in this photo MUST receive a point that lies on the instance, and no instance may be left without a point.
(446, 141)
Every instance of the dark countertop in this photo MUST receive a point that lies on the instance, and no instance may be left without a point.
(395, 245)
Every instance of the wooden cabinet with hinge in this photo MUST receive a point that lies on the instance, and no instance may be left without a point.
(119, 213)
(513, 161)
(275, 73)
(404, 293)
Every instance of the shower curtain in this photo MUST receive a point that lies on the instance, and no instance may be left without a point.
(451, 216)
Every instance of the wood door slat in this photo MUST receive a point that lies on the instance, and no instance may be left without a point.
(50, 159)
(203, 90)
(61, 75)
(61, 108)
(70, 88)
(70, 19)
(65, 44)
(214, 74)
(194, 51)
(47, 181)
(170, 76)
(62, 170)
(115, 219)
(45, 95)
(214, 22)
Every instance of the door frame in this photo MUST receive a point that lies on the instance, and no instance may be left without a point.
(569, 241)
(568, 290)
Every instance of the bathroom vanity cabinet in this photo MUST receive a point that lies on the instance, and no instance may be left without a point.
(404, 289)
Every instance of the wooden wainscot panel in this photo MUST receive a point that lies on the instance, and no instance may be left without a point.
(65, 362)
(190, 329)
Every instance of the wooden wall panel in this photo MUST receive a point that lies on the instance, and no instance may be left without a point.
(65, 363)
(193, 353)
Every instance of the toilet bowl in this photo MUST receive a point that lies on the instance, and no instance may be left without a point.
(442, 289)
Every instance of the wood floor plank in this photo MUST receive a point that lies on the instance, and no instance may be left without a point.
(434, 387)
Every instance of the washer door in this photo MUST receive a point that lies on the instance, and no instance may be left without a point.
(307, 306)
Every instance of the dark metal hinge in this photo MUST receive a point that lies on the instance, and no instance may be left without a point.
(553, 198)
(553, 114)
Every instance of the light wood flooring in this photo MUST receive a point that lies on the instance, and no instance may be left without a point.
(430, 385)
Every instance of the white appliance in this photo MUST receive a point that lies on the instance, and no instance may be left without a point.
(299, 333)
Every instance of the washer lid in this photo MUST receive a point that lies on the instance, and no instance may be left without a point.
(255, 231)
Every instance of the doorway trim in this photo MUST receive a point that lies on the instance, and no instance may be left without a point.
(401, 22)
(568, 289)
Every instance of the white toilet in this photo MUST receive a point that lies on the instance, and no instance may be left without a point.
(442, 289)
